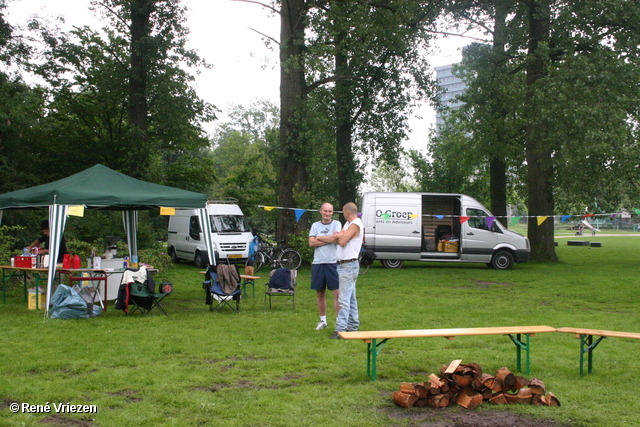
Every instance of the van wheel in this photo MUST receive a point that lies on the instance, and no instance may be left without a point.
(173, 255)
(198, 260)
(502, 260)
(392, 263)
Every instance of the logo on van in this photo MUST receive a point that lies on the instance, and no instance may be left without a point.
(395, 216)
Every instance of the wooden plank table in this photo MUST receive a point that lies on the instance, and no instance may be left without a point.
(249, 280)
(376, 339)
(587, 345)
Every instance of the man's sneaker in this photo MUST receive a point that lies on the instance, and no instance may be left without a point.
(321, 325)
(335, 336)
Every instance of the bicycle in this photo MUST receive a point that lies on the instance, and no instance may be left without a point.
(275, 255)
(365, 259)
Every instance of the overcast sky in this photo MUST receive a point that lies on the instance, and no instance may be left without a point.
(243, 68)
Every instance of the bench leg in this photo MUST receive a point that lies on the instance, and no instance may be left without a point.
(373, 348)
(526, 346)
(587, 340)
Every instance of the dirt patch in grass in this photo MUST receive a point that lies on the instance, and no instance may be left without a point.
(427, 417)
(59, 420)
(4, 403)
(130, 395)
(483, 284)
(214, 388)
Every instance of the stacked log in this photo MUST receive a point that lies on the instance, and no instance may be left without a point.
(466, 385)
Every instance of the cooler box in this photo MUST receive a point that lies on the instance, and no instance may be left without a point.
(22, 261)
(114, 277)
(42, 299)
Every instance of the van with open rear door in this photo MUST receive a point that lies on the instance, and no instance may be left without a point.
(438, 227)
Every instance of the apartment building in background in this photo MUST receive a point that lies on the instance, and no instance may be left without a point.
(452, 86)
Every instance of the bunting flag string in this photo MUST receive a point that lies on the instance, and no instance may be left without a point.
(540, 219)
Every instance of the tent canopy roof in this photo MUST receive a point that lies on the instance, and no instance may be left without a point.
(102, 188)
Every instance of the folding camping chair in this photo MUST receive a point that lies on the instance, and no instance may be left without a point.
(140, 292)
(143, 300)
(219, 289)
(282, 283)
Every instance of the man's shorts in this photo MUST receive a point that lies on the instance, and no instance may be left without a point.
(324, 276)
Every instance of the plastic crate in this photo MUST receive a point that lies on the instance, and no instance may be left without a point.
(23, 261)
(450, 246)
(42, 300)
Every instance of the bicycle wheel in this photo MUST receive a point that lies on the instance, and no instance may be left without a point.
(290, 258)
(256, 260)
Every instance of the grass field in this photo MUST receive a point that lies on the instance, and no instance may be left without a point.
(254, 368)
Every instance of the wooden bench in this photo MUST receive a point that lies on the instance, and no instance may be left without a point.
(376, 339)
(587, 345)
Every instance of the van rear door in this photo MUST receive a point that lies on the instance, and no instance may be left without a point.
(398, 225)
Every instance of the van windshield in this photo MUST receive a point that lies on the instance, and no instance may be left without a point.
(228, 224)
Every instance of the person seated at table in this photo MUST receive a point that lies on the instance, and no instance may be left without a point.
(44, 240)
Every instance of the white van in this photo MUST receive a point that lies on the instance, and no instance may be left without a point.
(438, 227)
(229, 231)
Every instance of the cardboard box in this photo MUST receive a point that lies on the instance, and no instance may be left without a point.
(42, 301)
(23, 261)
(450, 246)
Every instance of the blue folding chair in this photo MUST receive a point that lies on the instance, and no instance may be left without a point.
(217, 298)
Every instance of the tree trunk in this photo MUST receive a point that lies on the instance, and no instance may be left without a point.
(497, 165)
(293, 172)
(347, 176)
(537, 145)
(498, 189)
(138, 112)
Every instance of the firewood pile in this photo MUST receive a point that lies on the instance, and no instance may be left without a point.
(467, 386)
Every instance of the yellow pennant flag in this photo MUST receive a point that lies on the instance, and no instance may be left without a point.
(269, 208)
(76, 210)
(542, 219)
(167, 211)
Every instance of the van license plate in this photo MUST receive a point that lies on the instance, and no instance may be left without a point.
(235, 256)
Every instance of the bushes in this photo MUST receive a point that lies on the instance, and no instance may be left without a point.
(300, 242)
(8, 240)
(80, 248)
(156, 256)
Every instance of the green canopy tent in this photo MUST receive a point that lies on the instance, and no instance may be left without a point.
(102, 188)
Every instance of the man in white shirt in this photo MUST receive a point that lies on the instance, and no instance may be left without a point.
(324, 270)
(349, 242)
